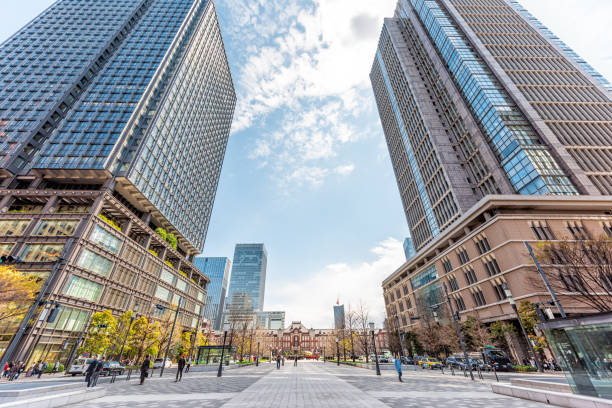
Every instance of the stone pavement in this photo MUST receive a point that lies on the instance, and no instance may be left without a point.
(311, 384)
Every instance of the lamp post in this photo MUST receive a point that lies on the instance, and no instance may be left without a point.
(176, 312)
(399, 336)
(127, 333)
(257, 361)
(518, 316)
(459, 334)
(225, 327)
(338, 351)
(550, 289)
(195, 333)
(371, 324)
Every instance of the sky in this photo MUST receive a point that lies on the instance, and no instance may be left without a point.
(307, 170)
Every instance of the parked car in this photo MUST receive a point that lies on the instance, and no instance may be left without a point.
(496, 358)
(383, 359)
(112, 367)
(160, 361)
(79, 366)
(430, 362)
(407, 360)
(456, 362)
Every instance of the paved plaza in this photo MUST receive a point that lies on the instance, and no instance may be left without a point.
(310, 384)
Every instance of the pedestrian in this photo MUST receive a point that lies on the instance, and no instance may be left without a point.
(278, 361)
(283, 361)
(144, 369)
(55, 368)
(41, 369)
(295, 361)
(10, 370)
(179, 370)
(97, 372)
(90, 371)
(5, 369)
(398, 366)
(188, 365)
(17, 370)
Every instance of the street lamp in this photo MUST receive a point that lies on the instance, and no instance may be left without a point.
(371, 324)
(459, 334)
(338, 351)
(518, 316)
(399, 336)
(127, 333)
(176, 312)
(225, 328)
(257, 361)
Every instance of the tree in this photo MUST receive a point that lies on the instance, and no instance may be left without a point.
(529, 318)
(144, 338)
(166, 335)
(579, 268)
(102, 329)
(17, 291)
(121, 334)
(362, 321)
(350, 321)
(477, 334)
(183, 345)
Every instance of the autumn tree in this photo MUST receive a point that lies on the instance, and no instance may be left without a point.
(528, 314)
(350, 324)
(580, 268)
(477, 334)
(144, 339)
(100, 333)
(120, 335)
(17, 291)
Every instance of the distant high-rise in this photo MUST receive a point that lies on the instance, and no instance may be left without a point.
(339, 316)
(217, 269)
(499, 135)
(478, 98)
(409, 248)
(249, 273)
(271, 320)
(114, 119)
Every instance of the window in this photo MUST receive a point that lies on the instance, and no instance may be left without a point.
(51, 228)
(541, 230)
(398, 293)
(41, 252)
(181, 285)
(446, 264)
(82, 288)
(392, 297)
(93, 262)
(423, 278)
(479, 298)
(201, 296)
(459, 303)
(13, 227)
(167, 277)
(69, 319)
(5, 249)
(401, 306)
(116, 299)
(492, 266)
(405, 290)
(463, 256)
(404, 321)
(453, 283)
(105, 239)
(498, 287)
(470, 276)
(482, 243)
(577, 230)
(162, 293)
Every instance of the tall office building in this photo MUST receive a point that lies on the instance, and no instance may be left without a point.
(216, 269)
(339, 316)
(249, 273)
(409, 248)
(114, 119)
(486, 114)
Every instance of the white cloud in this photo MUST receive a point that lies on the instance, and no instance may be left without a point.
(345, 170)
(311, 299)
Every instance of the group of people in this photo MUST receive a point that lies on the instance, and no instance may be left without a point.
(12, 370)
(93, 372)
(182, 365)
(280, 360)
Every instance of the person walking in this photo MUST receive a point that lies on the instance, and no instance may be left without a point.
(179, 370)
(144, 369)
(97, 371)
(278, 361)
(55, 368)
(398, 367)
(41, 368)
(90, 371)
(188, 365)
(295, 361)
(5, 369)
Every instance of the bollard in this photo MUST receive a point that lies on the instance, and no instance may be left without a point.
(452, 370)
(480, 373)
(129, 375)
(464, 372)
(495, 371)
(113, 378)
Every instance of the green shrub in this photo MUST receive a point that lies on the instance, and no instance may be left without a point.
(171, 239)
(162, 233)
(523, 368)
(169, 263)
(154, 253)
(109, 222)
(49, 368)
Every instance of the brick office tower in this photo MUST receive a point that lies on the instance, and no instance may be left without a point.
(114, 119)
(498, 134)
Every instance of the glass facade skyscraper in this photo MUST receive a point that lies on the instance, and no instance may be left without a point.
(249, 273)
(217, 269)
(479, 98)
(114, 119)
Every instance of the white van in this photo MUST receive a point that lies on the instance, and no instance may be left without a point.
(79, 366)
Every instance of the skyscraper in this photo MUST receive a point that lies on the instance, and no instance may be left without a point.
(249, 273)
(409, 248)
(499, 134)
(217, 270)
(114, 118)
(338, 316)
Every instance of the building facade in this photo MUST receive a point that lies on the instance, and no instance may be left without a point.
(485, 110)
(217, 270)
(271, 320)
(339, 316)
(249, 273)
(409, 248)
(114, 117)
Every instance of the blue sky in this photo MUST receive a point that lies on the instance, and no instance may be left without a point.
(306, 170)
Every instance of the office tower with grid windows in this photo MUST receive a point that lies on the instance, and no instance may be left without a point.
(498, 133)
(114, 119)
(249, 274)
(217, 269)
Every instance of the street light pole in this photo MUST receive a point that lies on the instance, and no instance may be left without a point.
(257, 362)
(338, 351)
(518, 316)
(459, 334)
(399, 336)
(178, 307)
(545, 279)
(220, 372)
(374, 345)
(127, 333)
(195, 334)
